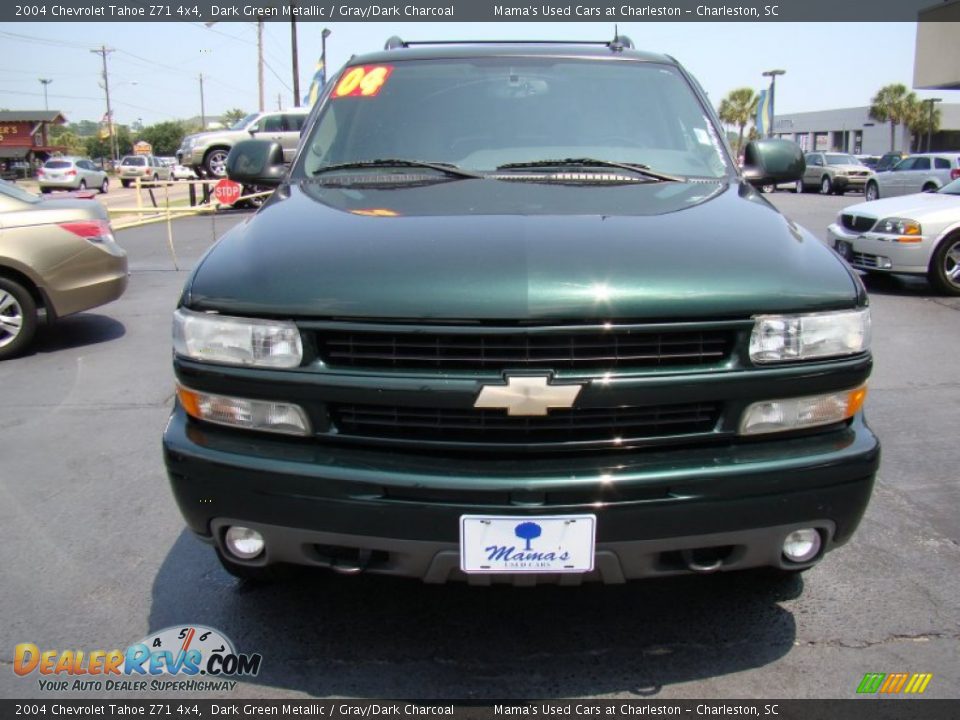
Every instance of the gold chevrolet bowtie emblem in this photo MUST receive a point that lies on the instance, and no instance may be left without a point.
(527, 395)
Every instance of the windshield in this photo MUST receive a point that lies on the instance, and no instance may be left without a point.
(241, 124)
(842, 160)
(952, 188)
(17, 193)
(481, 113)
(134, 161)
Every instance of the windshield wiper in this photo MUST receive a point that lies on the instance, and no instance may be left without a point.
(447, 168)
(592, 162)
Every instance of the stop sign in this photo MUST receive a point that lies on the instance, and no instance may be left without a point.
(227, 192)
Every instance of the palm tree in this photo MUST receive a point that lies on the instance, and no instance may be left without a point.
(892, 104)
(922, 122)
(737, 108)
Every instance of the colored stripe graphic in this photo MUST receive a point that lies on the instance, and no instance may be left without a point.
(894, 683)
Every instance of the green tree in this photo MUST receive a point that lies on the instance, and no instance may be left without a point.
(165, 137)
(100, 148)
(892, 103)
(737, 109)
(922, 122)
(231, 116)
(74, 144)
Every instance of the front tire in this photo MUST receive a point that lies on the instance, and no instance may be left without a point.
(944, 270)
(215, 162)
(83, 185)
(105, 186)
(826, 186)
(18, 318)
(872, 192)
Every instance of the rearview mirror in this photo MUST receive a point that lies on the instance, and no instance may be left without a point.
(256, 162)
(772, 161)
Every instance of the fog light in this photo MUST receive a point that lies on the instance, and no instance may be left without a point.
(884, 263)
(801, 545)
(244, 543)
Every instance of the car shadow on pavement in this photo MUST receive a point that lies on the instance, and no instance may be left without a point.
(904, 285)
(379, 637)
(76, 331)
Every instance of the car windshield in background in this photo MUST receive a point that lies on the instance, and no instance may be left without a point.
(56, 164)
(17, 193)
(482, 113)
(241, 124)
(952, 188)
(842, 160)
(134, 161)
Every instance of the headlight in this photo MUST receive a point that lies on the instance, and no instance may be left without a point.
(799, 413)
(780, 338)
(265, 415)
(898, 226)
(236, 341)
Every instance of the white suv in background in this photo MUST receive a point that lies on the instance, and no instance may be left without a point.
(926, 172)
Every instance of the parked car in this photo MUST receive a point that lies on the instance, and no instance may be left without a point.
(871, 161)
(182, 172)
(501, 320)
(888, 160)
(71, 173)
(833, 173)
(916, 234)
(206, 152)
(58, 255)
(146, 167)
(918, 173)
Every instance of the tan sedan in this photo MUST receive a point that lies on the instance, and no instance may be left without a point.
(56, 255)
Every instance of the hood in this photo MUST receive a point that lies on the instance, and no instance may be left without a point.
(844, 169)
(504, 250)
(914, 207)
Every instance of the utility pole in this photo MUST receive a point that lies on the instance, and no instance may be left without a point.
(203, 112)
(45, 82)
(279, 101)
(323, 54)
(293, 51)
(772, 74)
(103, 52)
(930, 126)
(260, 62)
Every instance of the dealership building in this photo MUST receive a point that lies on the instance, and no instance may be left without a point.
(852, 130)
(936, 67)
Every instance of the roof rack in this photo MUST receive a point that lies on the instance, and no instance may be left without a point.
(618, 43)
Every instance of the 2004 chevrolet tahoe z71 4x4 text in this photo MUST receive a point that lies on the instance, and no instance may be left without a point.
(514, 314)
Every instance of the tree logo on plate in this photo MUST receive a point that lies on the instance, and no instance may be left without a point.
(528, 531)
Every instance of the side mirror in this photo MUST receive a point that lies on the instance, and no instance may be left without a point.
(256, 162)
(769, 162)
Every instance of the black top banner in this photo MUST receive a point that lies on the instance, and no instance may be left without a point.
(480, 10)
(190, 709)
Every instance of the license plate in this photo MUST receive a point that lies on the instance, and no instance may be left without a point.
(844, 248)
(493, 544)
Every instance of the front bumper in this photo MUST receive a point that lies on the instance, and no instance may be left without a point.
(398, 513)
(847, 182)
(880, 252)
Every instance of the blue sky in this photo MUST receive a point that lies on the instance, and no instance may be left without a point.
(154, 71)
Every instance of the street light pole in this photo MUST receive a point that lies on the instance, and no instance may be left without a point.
(323, 53)
(772, 74)
(203, 112)
(930, 126)
(103, 52)
(45, 82)
(293, 51)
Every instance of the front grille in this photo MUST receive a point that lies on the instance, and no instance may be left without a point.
(864, 260)
(619, 424)
(859, 173)
(857, 223)
(560, 350)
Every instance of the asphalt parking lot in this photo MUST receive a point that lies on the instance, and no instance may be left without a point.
(95, 556)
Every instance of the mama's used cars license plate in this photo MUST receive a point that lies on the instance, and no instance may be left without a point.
(552, 544)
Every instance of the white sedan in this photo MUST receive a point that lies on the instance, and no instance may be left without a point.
(181, 172)
(917, 234)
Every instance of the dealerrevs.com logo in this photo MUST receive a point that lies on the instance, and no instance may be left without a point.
(181, 658)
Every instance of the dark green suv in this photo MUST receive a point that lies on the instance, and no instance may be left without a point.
(514, 314)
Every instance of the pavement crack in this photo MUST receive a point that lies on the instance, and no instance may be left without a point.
(889, 639)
